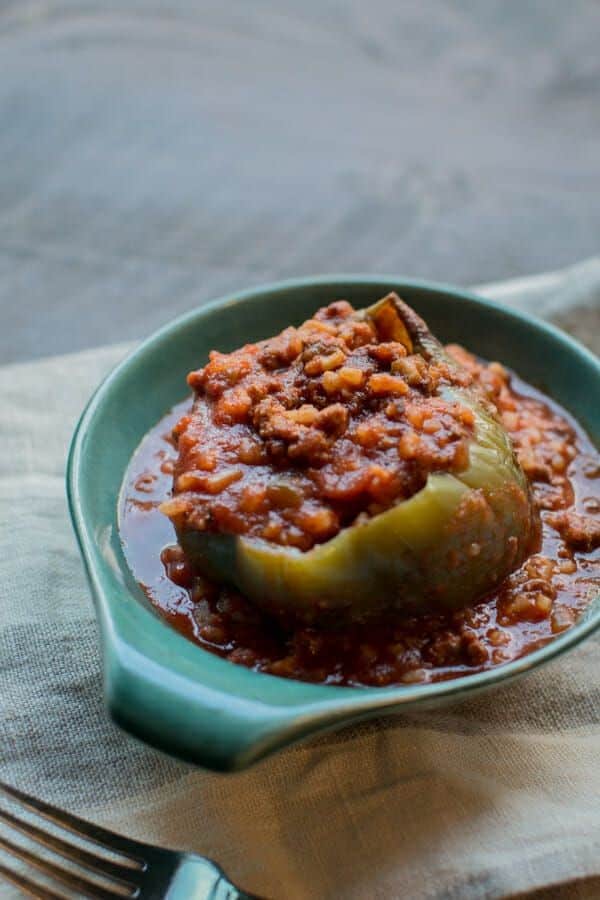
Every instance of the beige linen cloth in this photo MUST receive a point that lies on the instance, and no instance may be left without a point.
(491, 798)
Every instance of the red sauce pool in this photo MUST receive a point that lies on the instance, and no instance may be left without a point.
(544, 597)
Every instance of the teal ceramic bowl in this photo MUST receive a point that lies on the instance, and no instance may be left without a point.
(166, 690)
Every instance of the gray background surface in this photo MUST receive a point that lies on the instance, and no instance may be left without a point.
(153, 156)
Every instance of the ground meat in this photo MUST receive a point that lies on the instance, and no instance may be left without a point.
(325, 425)
(576, 530)
(542, 598)
(294, 438)
(544, 443)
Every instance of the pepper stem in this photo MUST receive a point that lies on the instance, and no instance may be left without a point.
(396, 321)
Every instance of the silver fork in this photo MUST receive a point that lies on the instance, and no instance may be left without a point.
(142, 871)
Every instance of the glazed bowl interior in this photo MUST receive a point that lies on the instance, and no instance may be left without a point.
(167, 690)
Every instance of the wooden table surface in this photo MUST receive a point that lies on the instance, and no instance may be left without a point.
(153, 156)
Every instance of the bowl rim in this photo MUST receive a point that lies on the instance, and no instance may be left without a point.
(249, 727)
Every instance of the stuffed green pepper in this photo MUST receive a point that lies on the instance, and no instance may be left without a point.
(347, 471)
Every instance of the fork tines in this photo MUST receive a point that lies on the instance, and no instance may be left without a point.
(110, 878)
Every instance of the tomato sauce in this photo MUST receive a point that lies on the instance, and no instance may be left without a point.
(543, 597)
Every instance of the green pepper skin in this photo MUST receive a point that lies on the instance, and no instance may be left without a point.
(447, 545)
